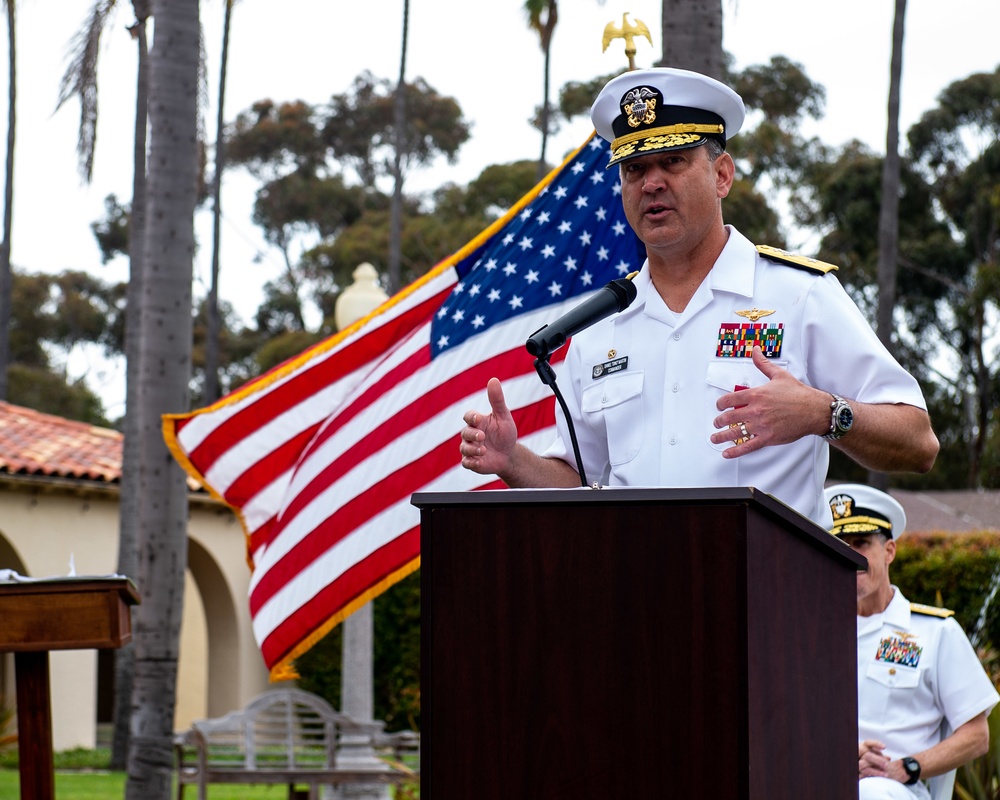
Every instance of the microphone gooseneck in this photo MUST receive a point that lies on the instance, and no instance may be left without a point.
(613, 297)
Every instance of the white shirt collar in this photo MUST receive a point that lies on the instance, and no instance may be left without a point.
(733, 272)
(897, 614)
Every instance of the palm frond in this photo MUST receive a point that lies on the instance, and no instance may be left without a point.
(80, 80)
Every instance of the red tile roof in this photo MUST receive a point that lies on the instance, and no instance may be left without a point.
(33, 443)
(956, 511)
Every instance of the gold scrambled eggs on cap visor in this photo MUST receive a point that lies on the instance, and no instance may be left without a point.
(651, 110)
(673, 137)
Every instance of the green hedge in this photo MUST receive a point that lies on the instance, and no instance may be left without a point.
(956, 571)
(961, 572)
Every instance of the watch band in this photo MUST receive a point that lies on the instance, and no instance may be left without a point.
(912, 767)
(841, 418)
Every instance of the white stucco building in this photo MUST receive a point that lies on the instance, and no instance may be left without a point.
(59, 484)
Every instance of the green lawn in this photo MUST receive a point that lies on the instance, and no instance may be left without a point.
(82, 775)
(111, 786)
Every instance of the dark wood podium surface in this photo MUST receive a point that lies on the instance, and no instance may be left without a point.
(635, 642)
(55, 614)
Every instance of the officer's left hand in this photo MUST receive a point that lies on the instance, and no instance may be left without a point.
(872, 763)
(783, 410)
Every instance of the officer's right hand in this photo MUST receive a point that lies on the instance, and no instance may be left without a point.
(488, 441)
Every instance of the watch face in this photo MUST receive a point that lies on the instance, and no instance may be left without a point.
(845, 418)
(912, 767)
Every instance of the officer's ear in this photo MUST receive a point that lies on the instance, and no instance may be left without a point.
(890, 551)
(725, 174)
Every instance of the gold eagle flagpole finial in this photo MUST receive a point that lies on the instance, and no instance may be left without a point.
(628, 31)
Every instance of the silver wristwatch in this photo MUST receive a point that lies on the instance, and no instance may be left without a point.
(841, 417)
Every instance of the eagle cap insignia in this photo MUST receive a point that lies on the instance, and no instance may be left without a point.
(640, 105)
(842, 506)
(754, 314)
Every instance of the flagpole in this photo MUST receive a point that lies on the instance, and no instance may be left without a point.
(357, 696)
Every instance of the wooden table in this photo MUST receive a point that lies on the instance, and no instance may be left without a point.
(55, 614)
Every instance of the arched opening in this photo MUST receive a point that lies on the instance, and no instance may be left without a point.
(9, 559)
(221, 630)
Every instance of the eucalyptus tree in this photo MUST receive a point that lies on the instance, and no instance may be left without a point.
(321, 167)
(949, 262)
(80, 81)
(358, 128)
(52, 313)
(957, 147)
(8, 209)
(165, 370)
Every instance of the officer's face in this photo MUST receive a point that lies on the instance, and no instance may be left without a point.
(880, 552)
(672, 198)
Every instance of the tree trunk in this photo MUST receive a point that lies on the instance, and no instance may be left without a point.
(164, 372)
(8, 209)
(888, 219)
(551, 17)
(692, 36)
(981, 397)
(128, 503)
(214, 323)
(399, 123)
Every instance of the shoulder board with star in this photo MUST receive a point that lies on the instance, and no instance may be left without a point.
(795, 260)
(931, 611)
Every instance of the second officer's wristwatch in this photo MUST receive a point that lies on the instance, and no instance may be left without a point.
(912, 767)
(841, 417)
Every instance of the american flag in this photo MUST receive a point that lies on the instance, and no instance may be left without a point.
(319, 457)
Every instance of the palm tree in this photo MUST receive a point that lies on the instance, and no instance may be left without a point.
(399, 123)
(165, 369)
(214, 324)
(692, 36)
(80, 80)
(128, 505)
(542, 17)
(5, 276)
(888, 218)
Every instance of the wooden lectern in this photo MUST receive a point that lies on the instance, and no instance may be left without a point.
(55, 614)
(628, 643)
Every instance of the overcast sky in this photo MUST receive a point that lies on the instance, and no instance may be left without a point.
(481, 53)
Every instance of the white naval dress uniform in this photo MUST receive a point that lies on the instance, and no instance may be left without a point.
(914, 670)
(642, 385)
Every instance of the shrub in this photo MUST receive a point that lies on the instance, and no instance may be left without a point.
(956, 571)
(961, 572)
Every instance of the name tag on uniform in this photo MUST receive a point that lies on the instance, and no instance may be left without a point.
(610, 367)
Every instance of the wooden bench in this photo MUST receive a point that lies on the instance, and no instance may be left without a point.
(288, 736)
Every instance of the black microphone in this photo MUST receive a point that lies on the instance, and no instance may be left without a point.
(611, 298)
